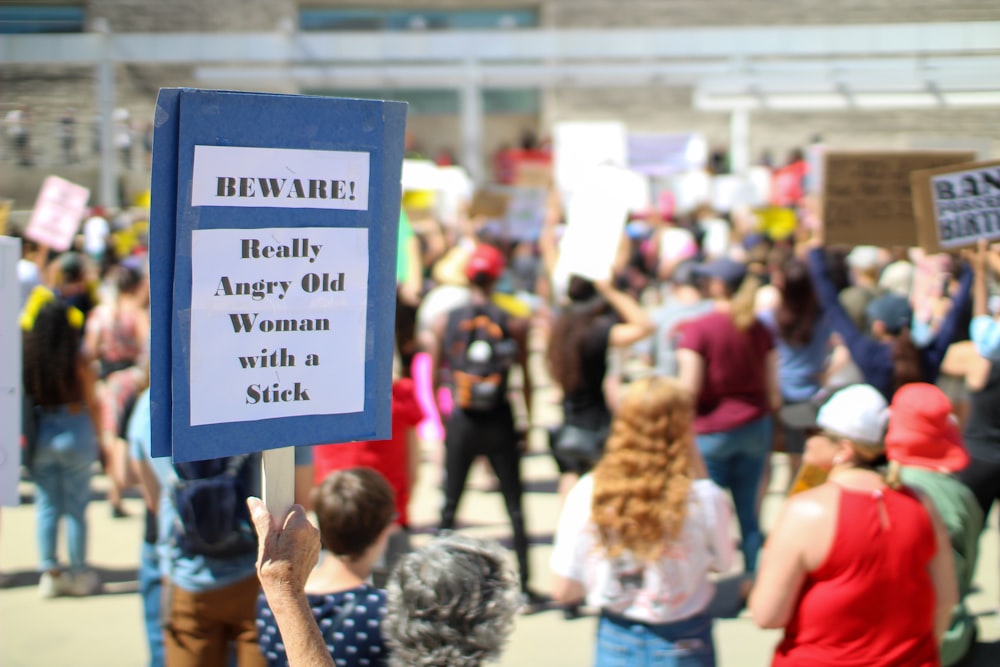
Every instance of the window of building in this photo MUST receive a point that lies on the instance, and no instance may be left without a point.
(439, 102)
(329, 18)
(28, 19)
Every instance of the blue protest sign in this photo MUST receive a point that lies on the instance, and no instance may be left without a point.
(273, 230)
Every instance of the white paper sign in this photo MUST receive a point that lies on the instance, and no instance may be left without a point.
(57, 214)
(665, 154)
(595, 221)
(454, 190)
(579, 147)
(10, 373)
(730, 191)
(279, 178)
(277, 323)
(420, 175)
(691, 189)
(967, 205)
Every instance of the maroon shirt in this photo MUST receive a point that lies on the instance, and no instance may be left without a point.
(734, 386)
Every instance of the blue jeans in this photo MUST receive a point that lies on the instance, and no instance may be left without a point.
(735, 460)
(150, 588)
(625, 643)
(66, 449)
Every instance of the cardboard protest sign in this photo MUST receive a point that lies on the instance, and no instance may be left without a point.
(273, 227)
(489, 203)
(57, 214)
(867, 198)
(533, 174)
(10, 372)
(958, 205)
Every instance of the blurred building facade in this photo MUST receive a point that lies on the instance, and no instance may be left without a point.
(867, 74)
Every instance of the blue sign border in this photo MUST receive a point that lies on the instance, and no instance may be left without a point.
(186, 118)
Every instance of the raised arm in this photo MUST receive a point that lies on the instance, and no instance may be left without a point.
(636, 324)
(288, 551)
(984, 330)
(934, 353)
(861, 347)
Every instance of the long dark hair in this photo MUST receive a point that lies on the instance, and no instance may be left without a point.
(906, 364)
(565, 353)
(799, 310)
(51, 355)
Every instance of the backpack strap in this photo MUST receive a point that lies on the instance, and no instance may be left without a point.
(183, 471)
(236, 463)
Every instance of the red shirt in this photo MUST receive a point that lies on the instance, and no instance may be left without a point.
(734, 385)
(871, 602)
(389, 457)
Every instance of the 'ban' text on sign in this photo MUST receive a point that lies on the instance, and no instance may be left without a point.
(957, 206)
(277, 323)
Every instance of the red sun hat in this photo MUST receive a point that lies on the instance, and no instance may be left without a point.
(923, 432)
(487, 260)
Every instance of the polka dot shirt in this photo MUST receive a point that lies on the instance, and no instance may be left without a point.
(357, 642)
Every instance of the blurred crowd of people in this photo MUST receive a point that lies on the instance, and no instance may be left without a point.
(710, 347)
(66, 139)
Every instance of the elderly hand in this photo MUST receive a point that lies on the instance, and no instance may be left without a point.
(287, 550)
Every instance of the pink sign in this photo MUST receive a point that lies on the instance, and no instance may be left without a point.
(58, 212)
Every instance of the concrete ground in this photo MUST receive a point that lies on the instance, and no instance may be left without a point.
(106, 630)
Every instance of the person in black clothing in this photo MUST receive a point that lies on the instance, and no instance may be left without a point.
(982, 427)
(597, 318)
(485, 430)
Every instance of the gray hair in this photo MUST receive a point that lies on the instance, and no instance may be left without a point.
(450, 604)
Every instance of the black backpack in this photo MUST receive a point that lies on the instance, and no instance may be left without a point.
(480, 352)
(212, 516)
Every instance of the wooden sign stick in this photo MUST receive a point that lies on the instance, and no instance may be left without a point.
(278, 480)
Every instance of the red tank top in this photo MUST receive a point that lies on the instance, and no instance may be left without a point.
(871, 602)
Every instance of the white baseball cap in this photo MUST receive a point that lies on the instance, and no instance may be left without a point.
(864, 258)
(858, 412)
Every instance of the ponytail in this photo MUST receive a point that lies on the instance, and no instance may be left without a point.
(743, 302)
(906, 365)
(893, 478)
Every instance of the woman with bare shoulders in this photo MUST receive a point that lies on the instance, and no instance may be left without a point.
(856, 572)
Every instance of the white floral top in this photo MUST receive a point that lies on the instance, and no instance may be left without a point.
(670, 589)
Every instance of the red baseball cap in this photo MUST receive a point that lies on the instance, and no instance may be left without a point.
(923, 432)
(487, 260)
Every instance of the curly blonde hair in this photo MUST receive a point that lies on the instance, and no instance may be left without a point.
(642, 482)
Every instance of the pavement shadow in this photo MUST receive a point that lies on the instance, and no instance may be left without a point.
(431, 528)
(99, 495)
(533, 540)
(727, 602)
(550, 486)
(114, 581)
